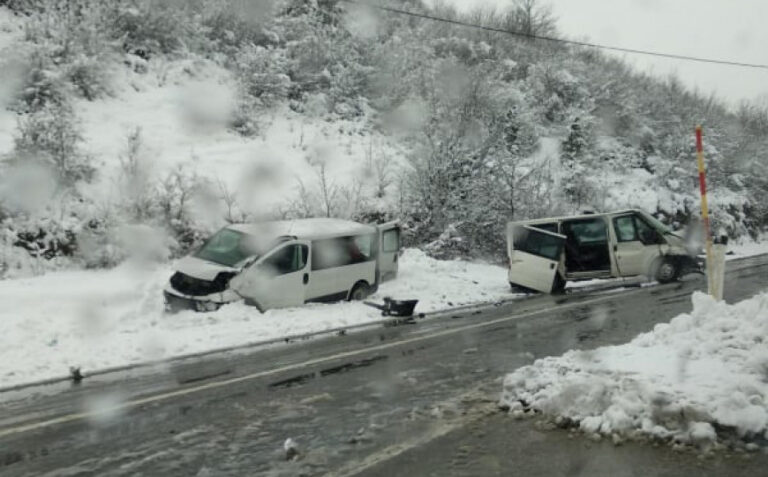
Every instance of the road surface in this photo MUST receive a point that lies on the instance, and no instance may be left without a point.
(407, 400)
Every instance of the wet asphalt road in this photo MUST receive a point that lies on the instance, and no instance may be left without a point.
(399, 400)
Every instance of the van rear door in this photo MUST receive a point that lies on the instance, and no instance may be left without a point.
(389, 250)
(534, 255)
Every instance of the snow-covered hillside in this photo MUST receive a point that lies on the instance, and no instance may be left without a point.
(182, 110)
(10, 33)
(181, 116)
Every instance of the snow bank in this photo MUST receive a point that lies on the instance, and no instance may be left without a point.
(701, 376)
(98, 319)
(747, 248)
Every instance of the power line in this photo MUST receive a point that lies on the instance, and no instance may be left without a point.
(557, 40)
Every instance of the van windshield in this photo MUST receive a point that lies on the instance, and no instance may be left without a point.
(228, 247)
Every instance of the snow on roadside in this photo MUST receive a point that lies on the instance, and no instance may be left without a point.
(747, 248)
(439, 284)
(99, 319)
(700, 377)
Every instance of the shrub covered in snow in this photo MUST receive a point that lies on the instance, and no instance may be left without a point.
(701, 378)
(51, 138)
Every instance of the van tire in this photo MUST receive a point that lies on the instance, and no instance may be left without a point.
(360, 291)
(667, 271)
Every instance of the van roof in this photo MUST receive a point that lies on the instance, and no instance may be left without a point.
(305, 229)
(570, 217)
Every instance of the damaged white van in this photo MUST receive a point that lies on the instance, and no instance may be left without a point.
(545, 253)
(286, 263)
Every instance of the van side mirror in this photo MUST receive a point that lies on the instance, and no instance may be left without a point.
(249, 262)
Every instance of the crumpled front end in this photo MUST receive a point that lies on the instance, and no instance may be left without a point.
(186, 290)
(176, 301)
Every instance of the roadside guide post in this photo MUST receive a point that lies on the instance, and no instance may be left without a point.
(718, 267)
(715, 261)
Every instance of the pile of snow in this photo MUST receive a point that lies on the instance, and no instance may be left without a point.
(99, 319)
(701, 376)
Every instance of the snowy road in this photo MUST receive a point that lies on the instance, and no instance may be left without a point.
(365, 402)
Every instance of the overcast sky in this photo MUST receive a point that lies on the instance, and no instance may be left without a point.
(731, 30)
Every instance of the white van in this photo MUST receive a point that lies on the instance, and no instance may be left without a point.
(545, 253)
(286, 263)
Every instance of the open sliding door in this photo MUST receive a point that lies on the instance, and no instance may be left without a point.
(389, 250)
(534, 255)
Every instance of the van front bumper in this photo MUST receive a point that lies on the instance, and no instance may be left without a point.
(175, 303)
(692, 264)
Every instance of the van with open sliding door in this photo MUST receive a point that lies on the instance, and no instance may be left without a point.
(546, 253)
(286, 263)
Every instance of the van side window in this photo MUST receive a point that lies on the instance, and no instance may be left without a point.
(537, 243)
(363, 245)
(625, 229)
(342, 251)
(287, 260)
(632, 228)
(645, 233)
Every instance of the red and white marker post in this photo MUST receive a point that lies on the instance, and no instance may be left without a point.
(715, 264)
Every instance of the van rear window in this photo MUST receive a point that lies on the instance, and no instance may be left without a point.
(537, 243)
(391, 240)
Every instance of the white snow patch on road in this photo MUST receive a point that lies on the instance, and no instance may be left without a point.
(99, 319)
(701, 371)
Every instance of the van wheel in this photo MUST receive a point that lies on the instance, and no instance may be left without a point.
(360, 291)
(667, 271)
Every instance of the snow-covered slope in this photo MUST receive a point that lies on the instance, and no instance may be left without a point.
(98, 319)
(183, 110)
(699, 377)
(11, 29)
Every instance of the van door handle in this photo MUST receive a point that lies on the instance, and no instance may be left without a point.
(306, 278)
(615, 248)
(551, 265)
